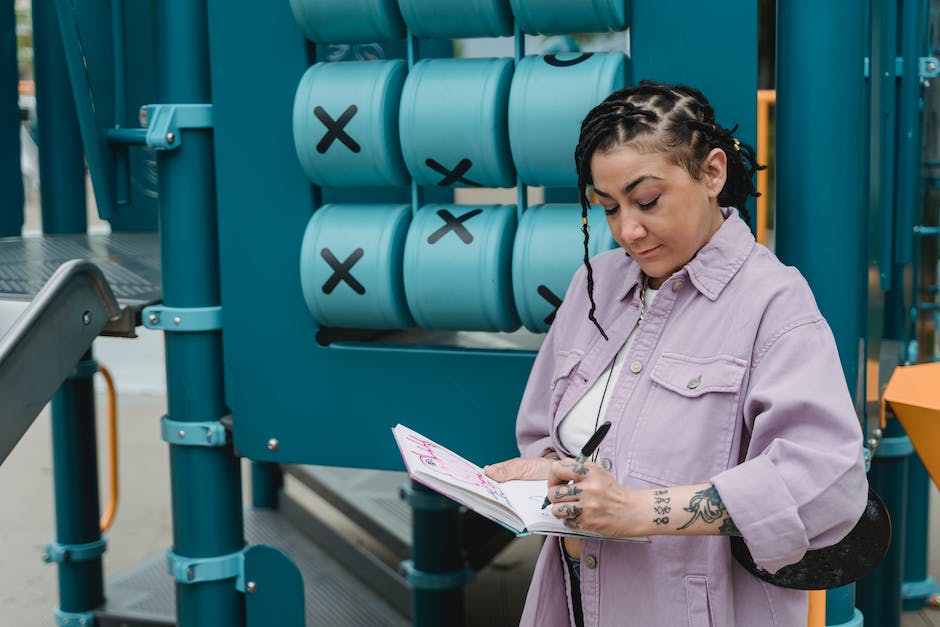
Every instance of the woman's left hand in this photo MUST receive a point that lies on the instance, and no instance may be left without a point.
(585, 496)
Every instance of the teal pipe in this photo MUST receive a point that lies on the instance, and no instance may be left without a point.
(436, 550)
(918, 584)
(820, 159)
(266, 482)
(75, 475)
(61, 156)
(879, 594)
(205, 481)
(11, 175)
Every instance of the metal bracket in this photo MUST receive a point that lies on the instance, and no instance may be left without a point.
(425, 501)
(423, 580)
(928, 67)
(199, 569)
(68, 553)
(164, 122)
(209, 433)
(182, 319)
(73, 619)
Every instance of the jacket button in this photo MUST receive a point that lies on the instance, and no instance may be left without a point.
(590, 561)
(678, 285)
(636, 366)
(606, 464)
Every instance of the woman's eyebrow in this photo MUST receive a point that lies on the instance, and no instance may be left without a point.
(629, 186)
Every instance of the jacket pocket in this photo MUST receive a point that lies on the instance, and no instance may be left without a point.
(696, 594)
(685, 429)
(563, 374)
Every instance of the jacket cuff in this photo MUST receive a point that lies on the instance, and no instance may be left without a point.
(763, 510)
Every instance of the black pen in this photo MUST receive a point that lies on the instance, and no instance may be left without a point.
(587, 450)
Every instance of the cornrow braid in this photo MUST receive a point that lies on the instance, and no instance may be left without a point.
(674, 119)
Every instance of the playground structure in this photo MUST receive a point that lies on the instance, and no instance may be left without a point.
(317, 230)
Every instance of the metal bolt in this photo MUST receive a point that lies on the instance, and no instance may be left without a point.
(182, 434)
(931, 66)
(177, 320)
(46, 557)
(876, 433)
(872, 443)
(250, 587)
(190, 573)
(273, 444)
(142, 117)
(153, 318)
(170, 137)
(208, 435)
(86, 318)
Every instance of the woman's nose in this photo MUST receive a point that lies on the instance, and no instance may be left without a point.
(631, 229)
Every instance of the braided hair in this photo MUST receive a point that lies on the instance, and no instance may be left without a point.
(674, 119)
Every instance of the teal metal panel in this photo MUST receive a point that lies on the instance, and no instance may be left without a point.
(274, 589)
(11, 175)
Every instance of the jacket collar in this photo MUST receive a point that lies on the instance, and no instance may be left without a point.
(714, 265)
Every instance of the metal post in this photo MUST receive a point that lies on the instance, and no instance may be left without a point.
(266, 482)
(820, 159)
(205, 481)
(75, 472)
(61, 156)
(879, 596)
(11, 175)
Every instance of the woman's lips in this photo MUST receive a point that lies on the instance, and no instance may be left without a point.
(646, 253)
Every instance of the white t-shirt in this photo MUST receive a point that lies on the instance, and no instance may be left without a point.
(582, 421)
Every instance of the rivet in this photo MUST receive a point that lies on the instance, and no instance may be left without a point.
(153, 318)
(208, 435)
(142, 117)
(250, 587)
(872, 443)
(46, 557)
(86, 318)
(181, 433)
(177, 320)
(931, 66)
(273, 444)
(170, 137)
(190, 573)
(876, 433)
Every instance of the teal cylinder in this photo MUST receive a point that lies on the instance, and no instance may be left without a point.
(453, 123)
(458, 267)
(455, 19)
(554, 17)
(548, 99)
(351, 263)
(346, 123)
(547, 251)
(348, 21)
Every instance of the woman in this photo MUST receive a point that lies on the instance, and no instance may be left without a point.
(729, 407)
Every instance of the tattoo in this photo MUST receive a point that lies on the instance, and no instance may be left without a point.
(578, 469)
(704, 504)
(661, 506)
(728, 528)
(569, 511)
(566, 490)
(571, 523)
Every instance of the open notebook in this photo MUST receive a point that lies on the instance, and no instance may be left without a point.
(517, 504)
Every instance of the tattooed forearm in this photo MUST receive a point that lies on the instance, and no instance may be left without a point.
(661, 507)
(705, 505)
(728, 528)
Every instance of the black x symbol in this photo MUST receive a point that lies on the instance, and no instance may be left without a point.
(334, 128)
(553, 300)
(455, 175)
(341, 271)
(552, 59)
(453, 224)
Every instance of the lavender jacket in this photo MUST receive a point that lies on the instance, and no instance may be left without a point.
(733, 378)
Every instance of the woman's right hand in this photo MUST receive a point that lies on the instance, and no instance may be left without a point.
(520, 468)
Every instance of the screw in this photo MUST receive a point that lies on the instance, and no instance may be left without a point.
(273, 444)
(208, 435)
(872, 443)
(931, 66)
(46, 557)
(876, 433)
(142, 117)
(190, 573)
(177, 320)
(86, 318)
(153, 318)
(182, 434)
(250, 587)
(170, 137)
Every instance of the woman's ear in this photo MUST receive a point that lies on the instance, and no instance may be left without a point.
(715, 171)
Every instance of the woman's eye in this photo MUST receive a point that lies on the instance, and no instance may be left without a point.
(650, 204)
(610, 210)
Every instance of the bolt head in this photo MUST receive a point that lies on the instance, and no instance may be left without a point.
(46, 557)
(273, 444)
(142, 117)
(872, 443)
(87, 318)
(250, 587)
(170, 137)
(181, 434)
(190, 573)
(153, 318)
(931, 66)
(876, 433)
(177, 320)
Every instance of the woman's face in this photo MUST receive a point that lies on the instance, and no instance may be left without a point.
(656, 211)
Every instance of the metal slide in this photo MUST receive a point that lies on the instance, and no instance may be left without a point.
(42, 341)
